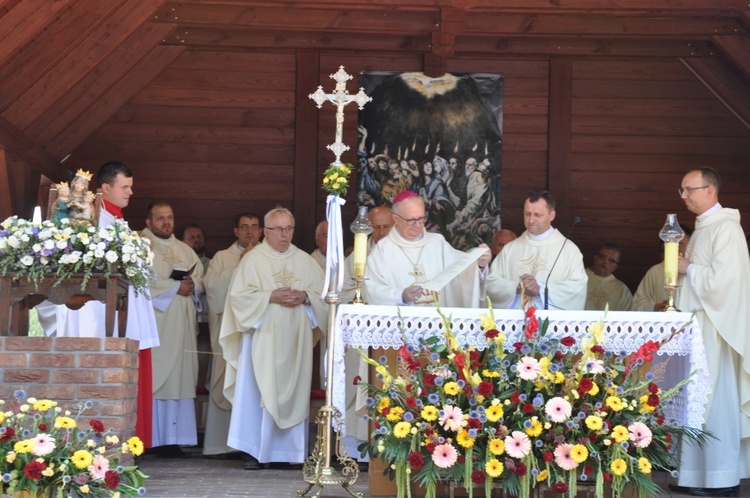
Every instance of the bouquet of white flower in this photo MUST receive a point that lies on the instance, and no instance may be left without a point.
(41, 250)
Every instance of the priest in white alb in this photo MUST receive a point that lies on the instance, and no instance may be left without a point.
(272, 314)
(605, 291)
(216, 282)
(404, 262)
(538, 262)
(174, 296)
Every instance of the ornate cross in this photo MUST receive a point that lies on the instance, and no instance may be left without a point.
(340, 98)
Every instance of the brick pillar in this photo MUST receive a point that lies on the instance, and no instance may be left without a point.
(70, 370)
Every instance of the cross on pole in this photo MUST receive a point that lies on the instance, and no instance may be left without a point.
(340, 98)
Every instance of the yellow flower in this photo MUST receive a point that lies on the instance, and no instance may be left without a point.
(84, 488)
(644, 465)
(48, 472)
(494, 412)
(2, 417)
(24, 446)
(544, 366)
(451, 388)
(558, 377)
(334, 175)
(402, 430)
(24, 408)
(494, 468)
(325, 180)
(90, 443)
(43, 405)
(112, 440)
(594, 390)
(579, 453)
(536, 428)
(497, 447)
(490, 374)
(464, 440)
(614, 402)
(429, 413)
(618, 467)
(383, 403)
(488, 323)
(542, 476)
(10, 457)
(65, 423)
(597, 330)
(594, 423)
(620, 433)
(645, 407)
(395, 414)
(82, 459)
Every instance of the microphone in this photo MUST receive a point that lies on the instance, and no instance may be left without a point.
(576, 220)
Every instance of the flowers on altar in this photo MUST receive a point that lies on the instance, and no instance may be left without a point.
(47, 451)
(336, 179)
(43, 250)
(543, 411)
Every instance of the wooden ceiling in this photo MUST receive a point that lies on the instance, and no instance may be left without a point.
(67, 66)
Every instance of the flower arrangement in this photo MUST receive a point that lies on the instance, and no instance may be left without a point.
(543, 412)
(45, 451)
(336, 179)
(39, 250)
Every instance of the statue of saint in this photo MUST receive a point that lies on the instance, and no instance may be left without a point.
(81, 205)
(61, 207)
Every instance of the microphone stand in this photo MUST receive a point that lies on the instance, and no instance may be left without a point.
(576, 220)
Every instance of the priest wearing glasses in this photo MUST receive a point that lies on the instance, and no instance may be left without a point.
(409, 257)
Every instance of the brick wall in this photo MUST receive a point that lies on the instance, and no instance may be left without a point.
(72, 370)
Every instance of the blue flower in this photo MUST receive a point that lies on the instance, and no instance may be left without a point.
(408, 416)
(433, 398)
(19, 394)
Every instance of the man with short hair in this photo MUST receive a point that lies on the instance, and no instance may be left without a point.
(604, 289)
(247, 230)
(321, 243)
(499, 240)
(175, 361)
(715, 285)
(526, 266)
(193, 236)
(272, 313)
(409, 256)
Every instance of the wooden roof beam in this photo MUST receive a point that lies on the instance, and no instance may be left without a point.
(15, 142)
(737, 51)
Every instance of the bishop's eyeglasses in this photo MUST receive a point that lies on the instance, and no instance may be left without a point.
(280, 230)
(412, 222)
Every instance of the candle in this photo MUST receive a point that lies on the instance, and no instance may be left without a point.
(360, 254)
(671, 257)
(37, 219)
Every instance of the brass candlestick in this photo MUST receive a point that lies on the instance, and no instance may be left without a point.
(358, 290)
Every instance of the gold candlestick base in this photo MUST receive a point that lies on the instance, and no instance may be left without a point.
(670, 300)
(358, 291)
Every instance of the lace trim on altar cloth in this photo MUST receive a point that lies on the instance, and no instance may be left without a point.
(378, 327)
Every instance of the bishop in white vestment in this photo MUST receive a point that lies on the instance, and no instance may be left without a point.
(273, 309)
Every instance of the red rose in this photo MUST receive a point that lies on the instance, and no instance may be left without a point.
(607, 477)
(478, 477)
(461, 458)
(587, 469)
(653, 400)
(660, 420)
(548, 456)
(97, 426)
(559, 356)
(517, 346)
(520, 469)
(585, 385)
(592, 437)
(416, 460)
(9, 433)
(491, 334)
(111, 479)
(411, 402)
(528, 408)
(430, 447)
(515, 397)
(474, 423)
(597, 349)
(33, 470)
(567, 341)
(485, 388)
(653, 388)
(385, 411)
(429, 380)
(357, 380)
(42, 427)
(560, 487)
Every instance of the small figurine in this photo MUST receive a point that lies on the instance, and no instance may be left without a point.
(61, 208)
(79, 202)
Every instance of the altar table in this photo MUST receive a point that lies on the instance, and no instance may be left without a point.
(364, 326)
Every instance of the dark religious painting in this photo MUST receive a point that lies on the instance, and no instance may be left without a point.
(441, 138)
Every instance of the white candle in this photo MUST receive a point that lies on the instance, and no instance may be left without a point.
(671, 260)
(360, 254)
(37, 219)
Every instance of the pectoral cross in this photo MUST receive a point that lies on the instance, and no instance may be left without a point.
(340, 98)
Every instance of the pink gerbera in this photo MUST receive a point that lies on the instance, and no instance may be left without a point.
(640, 434)
(563, 458)
(99, 467)
(444, 456)
(595, 366)
(528, 368)
(44, 444)
(558, 409)
(517, 445)
(452, 418)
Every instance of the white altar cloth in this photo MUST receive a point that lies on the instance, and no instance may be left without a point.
(364, 326)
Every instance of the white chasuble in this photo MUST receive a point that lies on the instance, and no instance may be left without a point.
(397, 263)
(717, 287)
(175, 361)
(567, 280)
(603, 291)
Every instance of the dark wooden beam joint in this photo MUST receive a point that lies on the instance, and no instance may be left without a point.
(434, 65)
